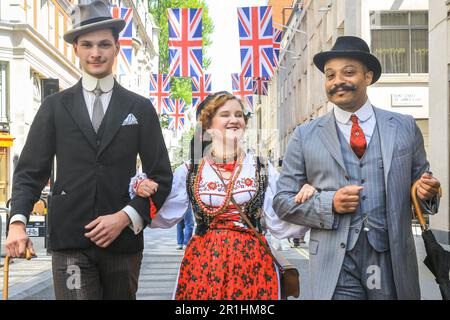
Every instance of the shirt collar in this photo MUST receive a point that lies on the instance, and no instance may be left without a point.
(364, 113)
(89, 82)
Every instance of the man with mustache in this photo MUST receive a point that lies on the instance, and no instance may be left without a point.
(362, 161)
(96, 129)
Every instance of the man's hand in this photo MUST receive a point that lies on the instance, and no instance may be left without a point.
(147, 188)
(428, 187)
(346, 199)
(105, 229)
(18, 241)
(305, 193)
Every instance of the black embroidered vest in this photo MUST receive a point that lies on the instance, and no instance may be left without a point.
(251, 209)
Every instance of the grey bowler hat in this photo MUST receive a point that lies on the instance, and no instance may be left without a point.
(91, 17)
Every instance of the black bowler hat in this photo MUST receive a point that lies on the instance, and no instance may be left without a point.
(350, 47)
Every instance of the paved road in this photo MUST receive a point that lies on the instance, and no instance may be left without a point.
(32, 279)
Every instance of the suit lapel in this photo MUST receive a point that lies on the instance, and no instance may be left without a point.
(387, 132)
(329, 137)
(76, 106)
(118, 109)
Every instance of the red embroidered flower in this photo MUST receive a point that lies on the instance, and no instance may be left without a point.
(248, 182)
(212, 186)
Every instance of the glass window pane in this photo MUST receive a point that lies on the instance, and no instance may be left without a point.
(419, 18)
(419, 54)
(394, 19)
(392, 49)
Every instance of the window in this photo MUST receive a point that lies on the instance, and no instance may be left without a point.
(400, 40)
(3, 88)
(60, 32)
(52, 23)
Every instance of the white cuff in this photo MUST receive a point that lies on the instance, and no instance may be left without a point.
(136, 220)
(18, 217)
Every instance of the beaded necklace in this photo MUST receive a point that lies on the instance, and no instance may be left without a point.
(228, 193)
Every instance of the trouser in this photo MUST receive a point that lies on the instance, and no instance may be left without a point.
(366, 274)
(95, 274)
(185, 228)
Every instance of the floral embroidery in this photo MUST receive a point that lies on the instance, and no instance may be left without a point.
(212, 186)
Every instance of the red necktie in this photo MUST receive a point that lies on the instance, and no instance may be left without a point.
(357, 138)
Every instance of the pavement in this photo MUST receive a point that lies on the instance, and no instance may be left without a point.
(32, 280)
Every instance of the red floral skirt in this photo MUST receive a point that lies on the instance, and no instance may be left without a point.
(227, 264)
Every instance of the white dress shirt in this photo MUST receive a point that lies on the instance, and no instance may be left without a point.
(106, 85)
(366, 120)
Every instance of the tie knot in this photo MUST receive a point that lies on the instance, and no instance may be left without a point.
(354, 118)
(97, 91)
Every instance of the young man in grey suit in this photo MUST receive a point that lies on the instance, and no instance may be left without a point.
(96, 129)
(363, 161)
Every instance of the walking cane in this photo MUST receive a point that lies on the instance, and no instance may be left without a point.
(28, 256)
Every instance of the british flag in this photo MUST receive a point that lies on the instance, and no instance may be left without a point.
(242, 88)
(159, 89)
(277, 36)
(185, 42)
(125, 39)
(256, 40)
(261, 86)
(175, 109)
(201, 88)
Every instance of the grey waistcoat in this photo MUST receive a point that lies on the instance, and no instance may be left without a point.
(371, 213)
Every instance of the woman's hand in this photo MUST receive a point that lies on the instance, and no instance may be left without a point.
(305, 193)
(147, 188)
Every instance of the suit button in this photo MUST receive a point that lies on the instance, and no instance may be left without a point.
(363, 181)
(347, 178)
(342, 245)
(357, 230)
(98, 143)
(364, 198)
(321, 225)
(361, 165)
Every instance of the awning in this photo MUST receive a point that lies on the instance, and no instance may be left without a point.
(6, 140)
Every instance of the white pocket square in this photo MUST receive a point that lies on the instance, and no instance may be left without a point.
(130, 120)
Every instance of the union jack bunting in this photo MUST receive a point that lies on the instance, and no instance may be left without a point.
(185, 42)
(242, 88)
(125, 39)
(201, 88)
(277, 35)
(175, 109)
(260, 86)
(159, 89)
(256, 40)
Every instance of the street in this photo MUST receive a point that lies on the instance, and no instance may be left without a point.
(32, 280)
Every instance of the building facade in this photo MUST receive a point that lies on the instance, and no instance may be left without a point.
(32, 50)
(440, 111)
(397, 32)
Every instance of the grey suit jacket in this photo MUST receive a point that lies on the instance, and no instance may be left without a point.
(314, 156)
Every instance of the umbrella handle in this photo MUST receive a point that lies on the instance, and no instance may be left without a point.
(417, 207)
(5, 278)
(28, 256)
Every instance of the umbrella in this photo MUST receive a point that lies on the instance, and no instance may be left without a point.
(437, 259)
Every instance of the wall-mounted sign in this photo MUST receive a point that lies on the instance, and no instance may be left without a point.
(407, 100)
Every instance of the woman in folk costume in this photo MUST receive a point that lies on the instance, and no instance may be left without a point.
(224, 259)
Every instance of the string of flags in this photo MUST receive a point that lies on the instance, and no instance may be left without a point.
(259, 47)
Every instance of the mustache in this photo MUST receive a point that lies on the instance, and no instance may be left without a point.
(345, 87)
